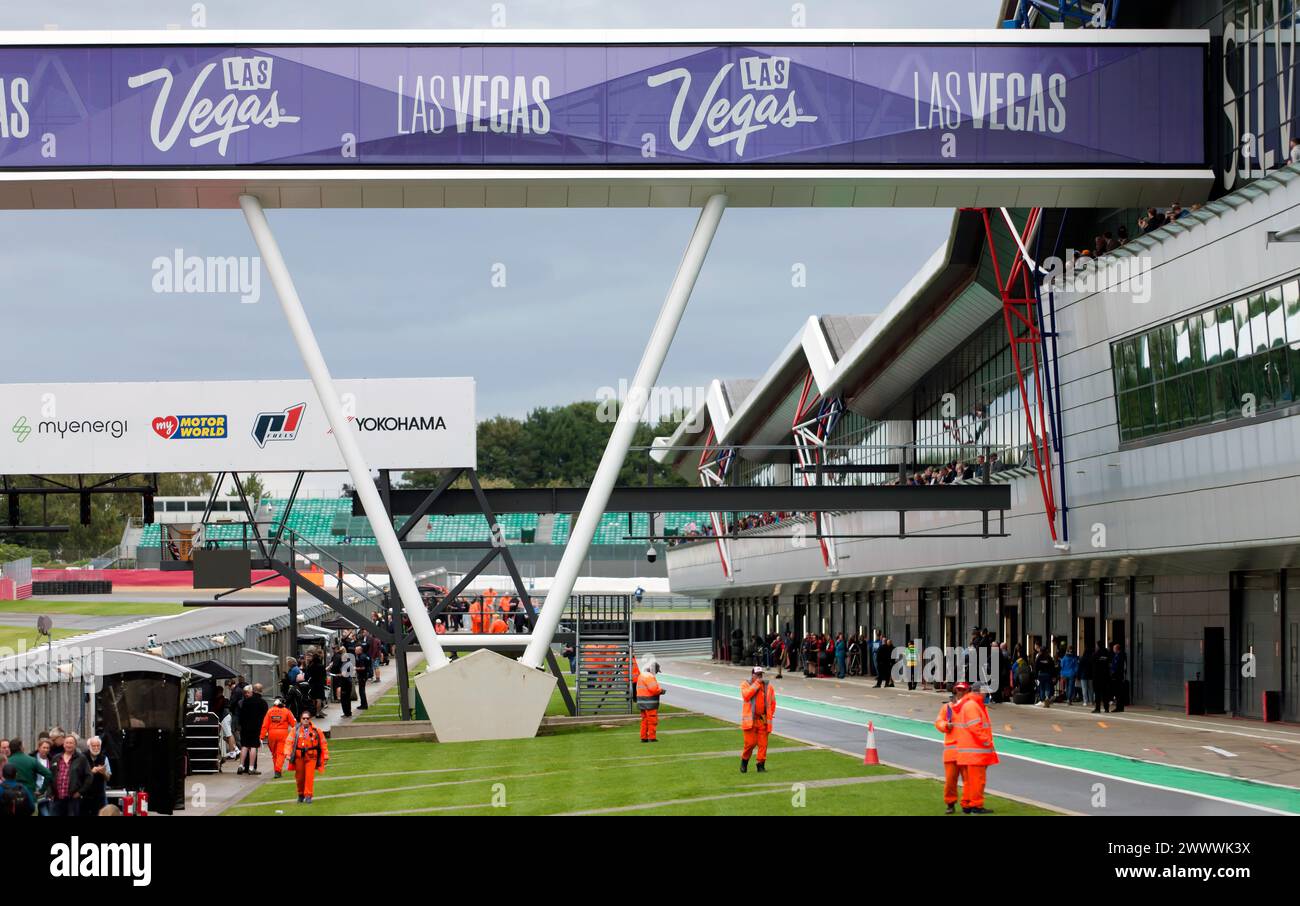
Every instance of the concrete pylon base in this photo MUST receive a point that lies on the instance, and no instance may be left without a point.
(485, 696)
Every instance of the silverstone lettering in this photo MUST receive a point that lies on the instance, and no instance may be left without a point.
(225, 117)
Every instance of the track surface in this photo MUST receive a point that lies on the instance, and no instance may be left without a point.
(1056, 787)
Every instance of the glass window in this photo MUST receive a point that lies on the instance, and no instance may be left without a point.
(1182, 348)
(1146, 396)
(1159, 354)
(1210, 338)
(1265, 384)
(1258, 323)
(1293, 359)
(1233, 386)
(1291, 307)
(1195, 337)
(1275, 316)
(1203, 405)
(1241, 318)
(1227, 333)
(1144, 359)
(1282, 391)
(1161, 419)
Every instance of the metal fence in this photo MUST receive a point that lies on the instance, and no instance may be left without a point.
(18, 570)
(38, 692)
(674, 648)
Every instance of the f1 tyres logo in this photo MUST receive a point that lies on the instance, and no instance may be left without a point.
(284, 425)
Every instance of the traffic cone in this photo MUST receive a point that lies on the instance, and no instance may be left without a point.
(870, 756)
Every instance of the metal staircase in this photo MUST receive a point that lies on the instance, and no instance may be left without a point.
(604, 646)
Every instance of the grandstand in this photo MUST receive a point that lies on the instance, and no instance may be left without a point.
(329, 523)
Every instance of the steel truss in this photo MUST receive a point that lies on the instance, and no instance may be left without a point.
(814, 420)
(494, 548)
(715, 464)
(1023, 320)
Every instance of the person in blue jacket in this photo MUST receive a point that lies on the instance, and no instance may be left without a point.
(839, 655)
(1069, 673)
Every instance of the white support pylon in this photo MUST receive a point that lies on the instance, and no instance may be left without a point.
(629, 415)
(399, 571)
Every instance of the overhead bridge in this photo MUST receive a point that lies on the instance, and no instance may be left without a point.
(723, 499)
(493, 118)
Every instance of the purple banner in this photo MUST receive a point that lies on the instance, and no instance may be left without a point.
(592, 106)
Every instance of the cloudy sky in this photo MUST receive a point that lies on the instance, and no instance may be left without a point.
(406, 293)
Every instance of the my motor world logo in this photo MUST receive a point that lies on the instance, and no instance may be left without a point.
(21, 429)
(75, 859)
(735, 120)
(272, 426)
(215, 120)
(190, 427)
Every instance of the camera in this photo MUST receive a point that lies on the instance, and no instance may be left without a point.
(651, 554)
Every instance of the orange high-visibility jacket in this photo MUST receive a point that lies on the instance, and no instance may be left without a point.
(945, 724)
(635, 670)
(498, 626)
(648, 691)
(279, 719)
(309, 743)
(974, 731)
(753, 694)
(489, 598)
(505, 603)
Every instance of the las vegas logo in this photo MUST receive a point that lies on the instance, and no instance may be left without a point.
(210, 120)
(734, 121)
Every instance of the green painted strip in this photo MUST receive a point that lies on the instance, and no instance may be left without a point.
(1121, 767)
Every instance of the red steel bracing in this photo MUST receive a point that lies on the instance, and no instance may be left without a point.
(814, 419)
(714, 464)
(1018, 303)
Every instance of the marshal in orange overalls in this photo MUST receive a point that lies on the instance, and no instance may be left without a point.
(974, 747)
(308, 753)
(648, 691)
(945, 723)
(275, 729)
(758, 705)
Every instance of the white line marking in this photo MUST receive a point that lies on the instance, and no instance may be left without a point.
(1217, 751)
(1091, 771)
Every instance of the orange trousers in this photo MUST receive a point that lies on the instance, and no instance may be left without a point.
(972, 790)
(305, 774)
(649, 723)
(755, 738)
(279, 749)
(951, 772)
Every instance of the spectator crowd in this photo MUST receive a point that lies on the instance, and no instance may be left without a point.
(1055, 674)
